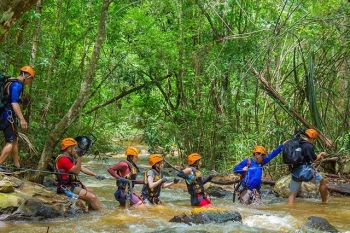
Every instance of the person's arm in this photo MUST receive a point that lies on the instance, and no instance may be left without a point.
(15, 90)
(207, 179)
(151, 183)
(16, 108)
(183, 174)
(320, 156)
(87, 171)
(273, 154)
(117, 167)
(77, 167)
(166, 185)
(242, 167)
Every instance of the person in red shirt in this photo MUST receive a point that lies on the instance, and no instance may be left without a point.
(126, 172)
(69, 165)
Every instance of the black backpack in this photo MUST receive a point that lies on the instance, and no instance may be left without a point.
(4, 80)
(292, 152)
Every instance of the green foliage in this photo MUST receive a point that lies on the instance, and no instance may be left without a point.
(211, 103)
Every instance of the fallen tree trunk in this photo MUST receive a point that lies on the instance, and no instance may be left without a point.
(338, 189)
(291, 109)
(268, 182)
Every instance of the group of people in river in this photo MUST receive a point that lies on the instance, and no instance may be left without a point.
(69, 164)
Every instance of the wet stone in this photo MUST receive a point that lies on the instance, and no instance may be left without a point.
(320, 225)
(207, 216)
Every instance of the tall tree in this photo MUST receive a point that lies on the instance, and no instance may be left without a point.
(11, 11)
(76, 108)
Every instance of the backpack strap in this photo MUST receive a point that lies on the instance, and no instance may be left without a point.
(249, 162)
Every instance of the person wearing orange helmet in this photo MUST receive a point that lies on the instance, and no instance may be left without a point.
(125, 172)
(309, 156)
(12, 113)
(68, 165)
(154, 180)
(251, 171)
(195, 181)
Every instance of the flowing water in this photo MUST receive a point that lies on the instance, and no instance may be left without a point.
(264, 218)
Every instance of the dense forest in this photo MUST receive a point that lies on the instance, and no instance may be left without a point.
(213, 77)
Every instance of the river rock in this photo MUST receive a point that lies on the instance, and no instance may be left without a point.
(207, 215)
(32, 201)
(216, 191)
(317, 224)
(308, 189)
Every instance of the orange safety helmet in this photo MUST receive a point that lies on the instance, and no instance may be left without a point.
(311, 133)
(132, 151)
(259, 149)
(155, 158)
(67, 142)
(28, 70)
(192, 158)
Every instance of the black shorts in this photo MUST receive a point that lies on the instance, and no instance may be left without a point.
(9, 133)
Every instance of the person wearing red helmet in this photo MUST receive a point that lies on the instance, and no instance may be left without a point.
(309, 156)
(251, 171)
(68, 166)
(12, 114)
(195, 181)
(154, 180)
(125, 172)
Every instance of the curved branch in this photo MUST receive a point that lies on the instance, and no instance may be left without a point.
(125, 93)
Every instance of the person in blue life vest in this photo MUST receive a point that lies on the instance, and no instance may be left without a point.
(154, 180)
(251, 170)
(68, 166)
(12, 114)
(195, 181)
(309, 156)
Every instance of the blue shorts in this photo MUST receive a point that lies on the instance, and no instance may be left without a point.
(295, 186)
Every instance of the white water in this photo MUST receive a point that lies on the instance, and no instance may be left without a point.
(265, 218)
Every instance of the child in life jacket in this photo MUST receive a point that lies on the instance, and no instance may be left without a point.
(154, 180)
(251, 170)
(195, 181)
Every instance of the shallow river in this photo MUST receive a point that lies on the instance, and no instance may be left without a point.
(264, 218)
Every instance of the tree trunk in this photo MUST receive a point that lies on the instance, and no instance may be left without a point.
(11, 11)
(73, 113)
(273, 92)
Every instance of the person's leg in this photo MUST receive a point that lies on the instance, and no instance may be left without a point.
(135, 200)
(244, 197)
(6, 151)
(291, 198)
(294, 188)
(323, 190)
(89, 196)
(10, 146)
(14, 153)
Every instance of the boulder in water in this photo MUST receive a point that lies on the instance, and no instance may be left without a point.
(207, 215)
(319, 224)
